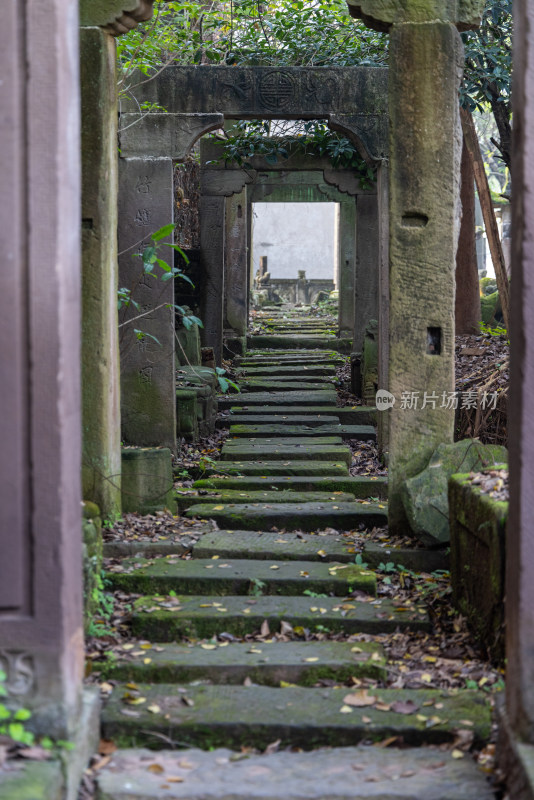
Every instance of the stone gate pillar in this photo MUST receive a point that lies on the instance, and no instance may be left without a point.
(367, 264)
(425, 63)
(41, 636)
(235, 266)
(212, 255)
(346, 240)
(148, 384)
(101, 461)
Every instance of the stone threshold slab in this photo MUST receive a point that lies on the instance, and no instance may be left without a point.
(287, 369)
(361, 487)
(363, 433)
(303, 717)
(266, 664)
(239, 576)
(289, 452)
(321, 397)
(346, 415)
(292, 516)
(300, 341)
(351, 773)
(302, 420)
(186, 498)
(167, 619)
(278, 467)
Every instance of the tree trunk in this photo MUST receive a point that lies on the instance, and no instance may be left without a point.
(467, 305)
(484, 194)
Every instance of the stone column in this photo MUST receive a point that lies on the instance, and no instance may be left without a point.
(212, 255)
(425, 65)
(148, 389)
(41, 637)
(382, 180)
(235, 270)
(520, 542)
(346, 238)
(367, 266)
(101, 463)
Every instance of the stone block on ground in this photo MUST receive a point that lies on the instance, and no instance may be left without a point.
(199, 576)
(302, 663)
(203, 381)
(478, 539)
(92, 560)
(187, 414)
(147, 479)
(300, 717)
(279, 468)
(425, 496)
(167, 619)
(292, 516)
(326, 774)
(360, 486)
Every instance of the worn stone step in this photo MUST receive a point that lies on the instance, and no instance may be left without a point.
(167, 619)
(346, 415)
(276, 342)
(360, 486)
(279, 370)
(283, 385)
(300, 717)
(302, 663)
(303, 420)
(229, 544)
(239, 576)
(262, 451)
(355, 773)
(364, 433)
(292, 516)
(299, 358)
(189, 497)
(317, 440)
(321, 397)
(275, 467)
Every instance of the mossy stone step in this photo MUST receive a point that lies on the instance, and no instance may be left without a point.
(189, 497)
(279, 370)
(283, 385)
(168, 619)
(361, 486)
(324, 774)
(303, 663)
(231, 577)
(346, 415)
(301, 341)
(303, 420)
(264, 362)
(280, 468)
(364, 433)
(300, 717)
(292, 516)
(282, 441)
(275, 546)
(321, 397)
(297, 451)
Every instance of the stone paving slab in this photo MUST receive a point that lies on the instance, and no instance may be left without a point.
(278, 467)
(239, 576)
(271, 546)
(325, 342)
(283, 385)
(292, 516)
(288, 369)
(31, 780)
(322, 397)
(351, 773)
(167, 619)
(364, 433)
(308, 421)
(301, 717)
(360, 486)
(346, 415)
(302, 663)
(290, 452)
(189, 497)
(292, 441)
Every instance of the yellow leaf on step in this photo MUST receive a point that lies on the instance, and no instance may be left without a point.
(345, 710)
(457, 753)
(147, 661)
(208, 646)
(153, 709)
(312, 658)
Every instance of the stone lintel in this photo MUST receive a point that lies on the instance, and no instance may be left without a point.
(115, 16)
(164, 135)
(368, 132)
(345, 181)
(382, 14)
(224, 183)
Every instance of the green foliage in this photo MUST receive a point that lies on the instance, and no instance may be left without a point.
(310, 593)
(12, 720)
(256, 587)
(224, 382)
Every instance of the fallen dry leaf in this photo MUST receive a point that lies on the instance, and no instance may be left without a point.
(359, 699)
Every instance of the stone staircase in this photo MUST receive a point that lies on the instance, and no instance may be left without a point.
(206, 686)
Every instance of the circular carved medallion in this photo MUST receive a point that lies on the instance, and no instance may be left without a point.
(277, 89)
